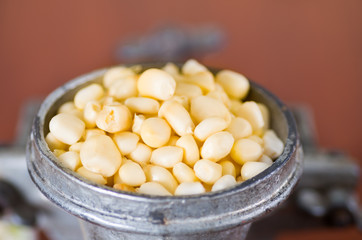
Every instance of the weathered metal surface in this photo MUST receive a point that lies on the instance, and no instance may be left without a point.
(114, 214)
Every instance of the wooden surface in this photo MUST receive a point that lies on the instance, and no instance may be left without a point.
(307, 52)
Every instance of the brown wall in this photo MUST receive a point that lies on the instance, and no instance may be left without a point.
(304, 51)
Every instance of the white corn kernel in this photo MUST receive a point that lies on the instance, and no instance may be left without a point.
(70, 160)
(157, 84)
(207, 171)
(123, 187)
(220, 95)
(257, 139)
(273, 146)
(162, 176)
(245, 150)
(217, 146)
(192, 66)
(167, 156)
(116, 73)
(251, 112)
(114, 118)
(153, 188)
(183, 173)
(183, 100)
(54, 143)
(76, 147)
(141, 154)
(123, 88)
(99, 154)
(228, 168)
(205, 80)
(142, 105)
(235, 106)
(137, 123)
(235, 84)
(209, 126)
(265, 159)
(126, 142)
(92, 92)
(203, 107)
(173, 140)
(132, 174)
(188, 89)
(70, 108)
(94, 177)
(178, 117)
(155, 132)
(93, 132)
(251, 169)
(223, 182)
(90, 112)
(189, 188)
(266, 116)
(239, 128)
(58, 152)
(191, 150)
(66, 128)
(173, 70)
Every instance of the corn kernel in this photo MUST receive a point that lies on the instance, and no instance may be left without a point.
(126, 142)
(224, 182)
(189, 188)
(70, 160)
(142, 105)
(116, 73)
(251, 169)
(90, 112)
(94, 177)
(245, 150)
(235, 84)
(191, 152)
(239, 128)
(66, 128)
(251, 112)
(183, 173)
(123, 88)
(188, 89)
(228, 168)
(141, 154)
(167, 156)
(132, 174)
(273, 146)
(192, 66)
(217, 146)
(207, 171)
(114, 118)
(203, 107)
(155, 132)
(54, 143)
(153, 188)
(209, 126)
(162, 176)
(92, 92)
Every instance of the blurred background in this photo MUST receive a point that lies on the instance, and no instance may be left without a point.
(305, 52)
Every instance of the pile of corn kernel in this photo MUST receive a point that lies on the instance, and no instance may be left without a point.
(166, 131)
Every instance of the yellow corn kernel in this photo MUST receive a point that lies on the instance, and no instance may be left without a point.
(54, 143)
(141, 154)
(192, 66)
(142, 105)
(126, 142)
(116, 73)
(207, 171)
(191, 152)
(251, 112)
(99, 154)
(189, 188)
(228, 168)
(223, 182)
(66, 128)
(203, 107)
(131, 174)
(178, 117)
(114, 118)
(157, 84)
(245, 150)
(251, 169)
(94, 177)
(162, 176)
(239, 128)
(155, 132)
(153, 188)
(273, 146)
(70, 160)
(90, 112)
(209, 126)
(187, 89)
(217, 146)
(235, 84)
(92, 92)
(183, 173)
(167, 156)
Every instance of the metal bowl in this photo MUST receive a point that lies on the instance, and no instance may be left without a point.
(108, 213)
